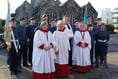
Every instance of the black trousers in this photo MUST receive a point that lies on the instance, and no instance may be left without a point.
(13, 60)
(30, 45)
(70, 54)
(23, 53)
(91, 54)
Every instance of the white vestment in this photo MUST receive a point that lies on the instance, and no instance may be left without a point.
(43, 61)
(69, 30)
(81, 56)
(62, 47)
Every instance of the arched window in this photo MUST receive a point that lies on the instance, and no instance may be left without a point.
(52, 13)
(72, 14)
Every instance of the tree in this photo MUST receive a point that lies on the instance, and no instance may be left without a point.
(110, 28)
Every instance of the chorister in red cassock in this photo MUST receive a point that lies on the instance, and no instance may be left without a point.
(43, 54)
(81, 50)
(62, 51)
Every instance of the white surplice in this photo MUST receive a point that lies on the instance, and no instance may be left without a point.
(62, 47)
(43, 61)
(81, 56)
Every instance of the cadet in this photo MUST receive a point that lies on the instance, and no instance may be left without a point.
(102, 38)
(52, 27)
(13, 53)
(92, 34)
(30, 36)
(23, 42)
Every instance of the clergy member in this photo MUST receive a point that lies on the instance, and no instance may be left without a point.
(81, 52)
(62, 51)
(68, 29)
(43, 53)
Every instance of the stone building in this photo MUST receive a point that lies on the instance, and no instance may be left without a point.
(54, 9)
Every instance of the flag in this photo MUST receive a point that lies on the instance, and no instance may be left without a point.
(85, 19)
(85, 16)
(7, 34)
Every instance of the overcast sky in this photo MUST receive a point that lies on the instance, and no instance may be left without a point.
(97, 4)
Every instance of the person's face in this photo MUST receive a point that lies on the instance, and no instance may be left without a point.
(77, 24)
(91, 28)
(102, 27)
(67, 20)
(22, 22)
(45, 27)
(82, 26)
(61, 26)
(53, 23)
(98, 21)
(33, 21)
(13, 23)
(46, 18)
(89, 20)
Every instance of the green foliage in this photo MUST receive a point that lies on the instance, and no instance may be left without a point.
(2, 23)
(110, 28)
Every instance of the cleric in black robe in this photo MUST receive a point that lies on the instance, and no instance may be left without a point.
(30, 36)
(101, 47)
(23, 42)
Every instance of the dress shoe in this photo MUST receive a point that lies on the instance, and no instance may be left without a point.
(13, 73)
(97, 66)
(19, 71)
(26, 65)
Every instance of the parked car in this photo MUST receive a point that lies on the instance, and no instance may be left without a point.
(2, 42)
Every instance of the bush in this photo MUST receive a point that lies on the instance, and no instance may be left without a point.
(2, 23)
(110, 28)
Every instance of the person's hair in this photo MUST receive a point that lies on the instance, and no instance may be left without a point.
(60, 21)
(43, 23)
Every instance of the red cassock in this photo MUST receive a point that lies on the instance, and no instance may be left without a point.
(62, 48)
(81, 56)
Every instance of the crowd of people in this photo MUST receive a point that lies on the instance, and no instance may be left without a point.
(51, 48)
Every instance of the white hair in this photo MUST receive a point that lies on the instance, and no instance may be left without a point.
(59, 22)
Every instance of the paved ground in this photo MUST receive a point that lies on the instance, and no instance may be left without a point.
(96, 73)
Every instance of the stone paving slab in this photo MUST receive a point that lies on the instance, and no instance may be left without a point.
(96, 73)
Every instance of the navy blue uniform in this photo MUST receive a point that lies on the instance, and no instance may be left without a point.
(23, 43)
(102, 37)
(30, 36)
(96, 28)
(52, 29)
(92, 34)
(75, 29)
(13, 55)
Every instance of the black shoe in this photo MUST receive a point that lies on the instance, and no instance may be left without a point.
(97, 66)
(101, 62)
(26, 65)
(106, 66)
(19, 71)
(92, 66)
(13, 73)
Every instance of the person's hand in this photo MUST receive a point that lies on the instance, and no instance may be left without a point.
(46, 48)
(83, 46)
(50, 46)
